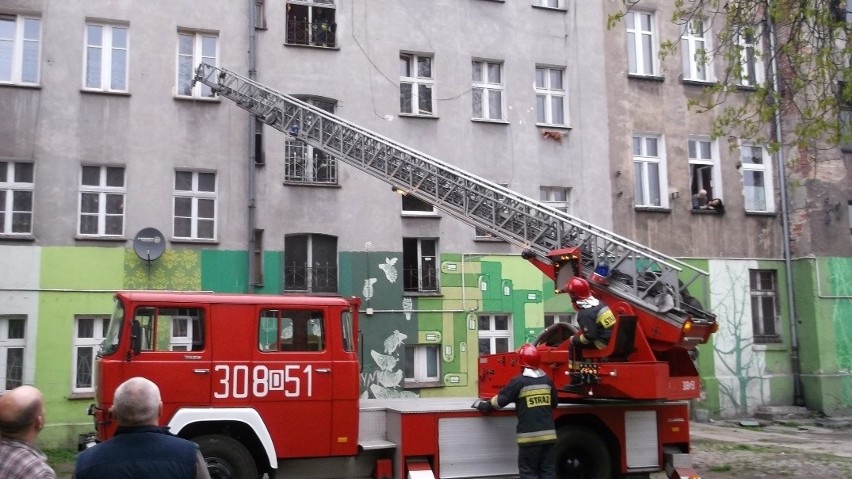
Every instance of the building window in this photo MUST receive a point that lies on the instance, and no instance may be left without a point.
(849, 211)
(195, 205)
(106, 57)
(310, 263)
(695, 43)
(487, 90)
(704, 167)
(422, 364)
(102, 194)
(291, 330)
(549, 96)
(556, 197)
(12, 343)
(170, 329)
(757, 179)
(551, 319)
(416, 85)
(260, 14)
(419, 264)
(641, 43)
(764, 306)
(414, 206)
(548, 3)
(751, 58)
(305, 164)
(311, 22)
(257, 258)
(16, 198)
(649, 171)
(195, 48)
(89, 334)
(495, 334)
(20, 49)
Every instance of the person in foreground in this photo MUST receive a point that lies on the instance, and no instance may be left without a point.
(534, 396)
(21, 419)
(140, 448)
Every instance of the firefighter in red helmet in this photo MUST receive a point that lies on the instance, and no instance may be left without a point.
(534, 396)
(593, 316)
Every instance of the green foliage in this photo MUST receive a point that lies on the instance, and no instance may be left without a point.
(804, 41)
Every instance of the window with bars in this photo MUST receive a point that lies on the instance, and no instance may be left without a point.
(89, 333)
(764, 306)
(310, 263)
(305, 164)
(419, 265)
(12, 344)
(495, 333)
(16, 198)
(311, 23)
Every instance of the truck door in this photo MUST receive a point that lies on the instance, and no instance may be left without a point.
(293, 380)
(174, 353)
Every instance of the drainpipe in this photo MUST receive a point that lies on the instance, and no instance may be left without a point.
(252, 172)
(798, 398)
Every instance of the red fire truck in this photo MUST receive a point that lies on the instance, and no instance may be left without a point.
(270, 384)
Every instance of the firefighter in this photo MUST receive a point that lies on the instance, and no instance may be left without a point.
(534, 396)
(593, 316)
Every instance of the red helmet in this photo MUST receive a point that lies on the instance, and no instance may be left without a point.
(578, 288)
(528, 356)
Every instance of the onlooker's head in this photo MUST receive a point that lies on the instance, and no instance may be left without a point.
(22, 413)
(137, 403)
(702, 193)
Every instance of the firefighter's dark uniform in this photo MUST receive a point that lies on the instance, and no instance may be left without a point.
(534, 396)
(595, 326)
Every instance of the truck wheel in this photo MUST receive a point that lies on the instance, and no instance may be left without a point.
(226, 458)
(581, 454)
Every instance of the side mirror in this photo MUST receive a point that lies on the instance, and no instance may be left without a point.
(135, 337)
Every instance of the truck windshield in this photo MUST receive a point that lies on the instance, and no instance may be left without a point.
(110, 344)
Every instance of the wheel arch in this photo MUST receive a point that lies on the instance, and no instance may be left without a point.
(599, 427)
(243, 424)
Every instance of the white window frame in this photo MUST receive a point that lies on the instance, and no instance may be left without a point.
(699, 160)
(643, 160)
(180, 342)
(642, 44)
(8, 187)
(195, 194)
(100, 323)
(298, 153)
(485, 89)
(752, 202)
(751, 57)
(196, 56)
(412, 63)
(548, 95)
(552, 318)
(17, 47)
(696, 42)
(7, 343)
(421, 362)
(557, 197)
(557, 4)
(492, 334)
(103, 192)
(108, 71)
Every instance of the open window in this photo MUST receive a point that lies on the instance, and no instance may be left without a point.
(311, 23)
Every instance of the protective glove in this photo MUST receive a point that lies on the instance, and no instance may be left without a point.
(527, 254)
(484, 407)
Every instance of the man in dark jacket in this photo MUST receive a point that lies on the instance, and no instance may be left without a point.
(534, 396)
(140, 448)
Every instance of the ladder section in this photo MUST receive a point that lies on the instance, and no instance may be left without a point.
(638, 274)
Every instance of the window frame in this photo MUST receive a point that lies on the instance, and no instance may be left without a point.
(8, 190)
(548, 195)
(552, 318)
(309, 29)
(418, 358)
(412, 61)
(758, 295)
(492, 334)
(299, 155)
(487, 89)
(697, 161)
(195, 195)
(550, 94)
(7, 344)
(198, 91)
(643, 160)
(560, 4)
(311, 275)
(765, 169)
(635, 44)
(751, 57)
(103, 191)
(693, 46)
(422, 279)
(94, 343)
(106, 67)
(17, 59)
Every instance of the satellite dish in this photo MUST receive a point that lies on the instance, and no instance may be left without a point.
(149, 244)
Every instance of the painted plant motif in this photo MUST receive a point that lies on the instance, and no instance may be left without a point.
(389, 267)
(385, 383)
(407, 307)
(367, 292)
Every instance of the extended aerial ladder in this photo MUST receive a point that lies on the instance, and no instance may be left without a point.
(666, 296)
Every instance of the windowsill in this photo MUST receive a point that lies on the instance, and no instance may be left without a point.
(555, 9)
(760, 213)
(198, 99)
(317, 47)
(311, 184)
(8, 237)
(701, 83)
(422, 385)
(638, 76)
(86, 395)
(747, 87)
(28, 86)
(422, 117)
(100, 238)
(779, 346)
(105, 92)
(193, 240)
(489, 239)
(422, 293)
(553, 127)
(312, 293)
(418, 214)
(483, 120)
(696, 211)
(652, 209)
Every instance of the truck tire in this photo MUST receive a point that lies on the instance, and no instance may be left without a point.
(581, 454)
(226, 458)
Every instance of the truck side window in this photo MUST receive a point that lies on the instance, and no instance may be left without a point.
(171, 329)
(291, 330)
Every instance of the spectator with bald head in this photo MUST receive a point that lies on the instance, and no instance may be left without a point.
(21, 419)
(140, 447)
